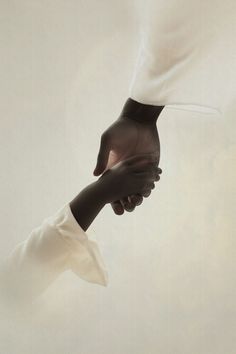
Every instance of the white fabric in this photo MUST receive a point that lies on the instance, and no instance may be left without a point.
(187, 55)
(59, 244)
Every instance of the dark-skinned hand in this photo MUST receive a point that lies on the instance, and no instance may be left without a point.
(123, 139)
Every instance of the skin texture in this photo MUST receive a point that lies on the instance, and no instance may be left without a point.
(134, 132)
(133, 175)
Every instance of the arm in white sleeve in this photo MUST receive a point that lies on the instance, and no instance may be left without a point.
(59, 244)
(184, 45)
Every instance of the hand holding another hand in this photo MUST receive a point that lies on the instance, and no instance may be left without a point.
(133, 133)
(135, 175)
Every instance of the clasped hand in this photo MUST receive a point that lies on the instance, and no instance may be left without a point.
(135, 175)
(124, 139)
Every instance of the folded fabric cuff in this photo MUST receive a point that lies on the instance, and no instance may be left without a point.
(84, 258)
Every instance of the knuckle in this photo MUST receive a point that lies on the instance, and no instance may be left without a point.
(146, 193)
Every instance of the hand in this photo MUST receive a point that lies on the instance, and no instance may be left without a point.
(123, 139)
(135, 175)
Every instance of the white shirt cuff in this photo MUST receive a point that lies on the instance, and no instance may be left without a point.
(57, 245)
(84, 259)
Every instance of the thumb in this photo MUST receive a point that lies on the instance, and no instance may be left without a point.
(102, 158)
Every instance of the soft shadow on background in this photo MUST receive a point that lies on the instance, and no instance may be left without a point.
(65, 72)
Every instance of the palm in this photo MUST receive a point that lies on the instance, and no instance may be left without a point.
(129, 138)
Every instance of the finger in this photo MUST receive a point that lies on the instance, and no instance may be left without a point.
(148, 189)
(157, 170)
(148, 176)
(127, 205)
(141, 159)
(149, 171)
(156, 174)
(136, 199)
(145, 167)
(146, 193)
(149, 186)
(153, 170)
(117, 207)
(102, 158)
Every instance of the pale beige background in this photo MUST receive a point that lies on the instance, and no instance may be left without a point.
(65, 72)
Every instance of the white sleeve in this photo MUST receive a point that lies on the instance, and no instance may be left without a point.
(59, 244)
(186, 54)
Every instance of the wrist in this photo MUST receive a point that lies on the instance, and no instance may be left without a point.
(103, 190)
(87, 205)
(140, 112)
(98, 192)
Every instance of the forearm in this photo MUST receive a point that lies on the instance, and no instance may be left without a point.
(143, 113)
(87, 205)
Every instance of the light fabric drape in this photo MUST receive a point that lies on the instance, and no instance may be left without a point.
(59, 244)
